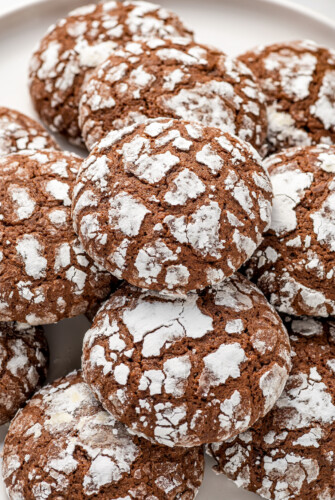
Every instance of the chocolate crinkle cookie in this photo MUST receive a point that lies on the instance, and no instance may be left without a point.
(298, 80)
(290, 453)
(81, 41)
(171, 205)
(19, 132)
(294, 265)
(23, 365)
(176, 78)
(45, 275)
(182, 372)
(64, 445)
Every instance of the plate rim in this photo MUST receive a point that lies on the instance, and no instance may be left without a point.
(287, 5)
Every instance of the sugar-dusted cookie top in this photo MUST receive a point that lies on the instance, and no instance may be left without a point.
(171, 205)
(176, 78)
(63, 444)
(23, 365)
(45, 275)
(183, 372)
(297, 79)
(19, 132)
(290, 453)
(294, 266)
(81, 41)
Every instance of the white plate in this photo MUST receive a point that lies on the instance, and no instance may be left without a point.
(232, 25)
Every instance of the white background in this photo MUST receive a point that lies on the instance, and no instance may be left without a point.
(326, 7)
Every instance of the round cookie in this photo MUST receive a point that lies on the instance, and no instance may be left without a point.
(45, 275)
(290, 453)
(23, 365)
(174, 78)
(297, 79)
(171, 205)
(81, 41)
(19, 132)
(183, 372)
(294, 265)
(63, 444)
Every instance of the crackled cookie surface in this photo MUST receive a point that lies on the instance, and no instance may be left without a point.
(294, 266)
(19, 132)
(175, 78)
(171, 205)
(45, 275)
(63, 444)
(81, 41)
(290, 453)
(183, 372)
(23, 365)
(297, 79)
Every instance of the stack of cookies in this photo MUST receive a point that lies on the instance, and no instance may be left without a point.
(198, 235)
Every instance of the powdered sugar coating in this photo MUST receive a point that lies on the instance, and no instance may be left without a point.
(73, 448)
(45, 274)
(290, 453)
(181, 372)
(294, 266)
(19, 132)
(176, 78)
(23, 365)
(164, 217)
(297, 79)
(81, 41)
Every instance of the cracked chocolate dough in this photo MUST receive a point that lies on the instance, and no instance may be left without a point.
(290, 453)
(78, 43)
(294, 265)
(175, 78)
(64, 445)
(182, 372)
(19, 132)
(23, 365)
(171, 205)
(45, 275)
(298, 80)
